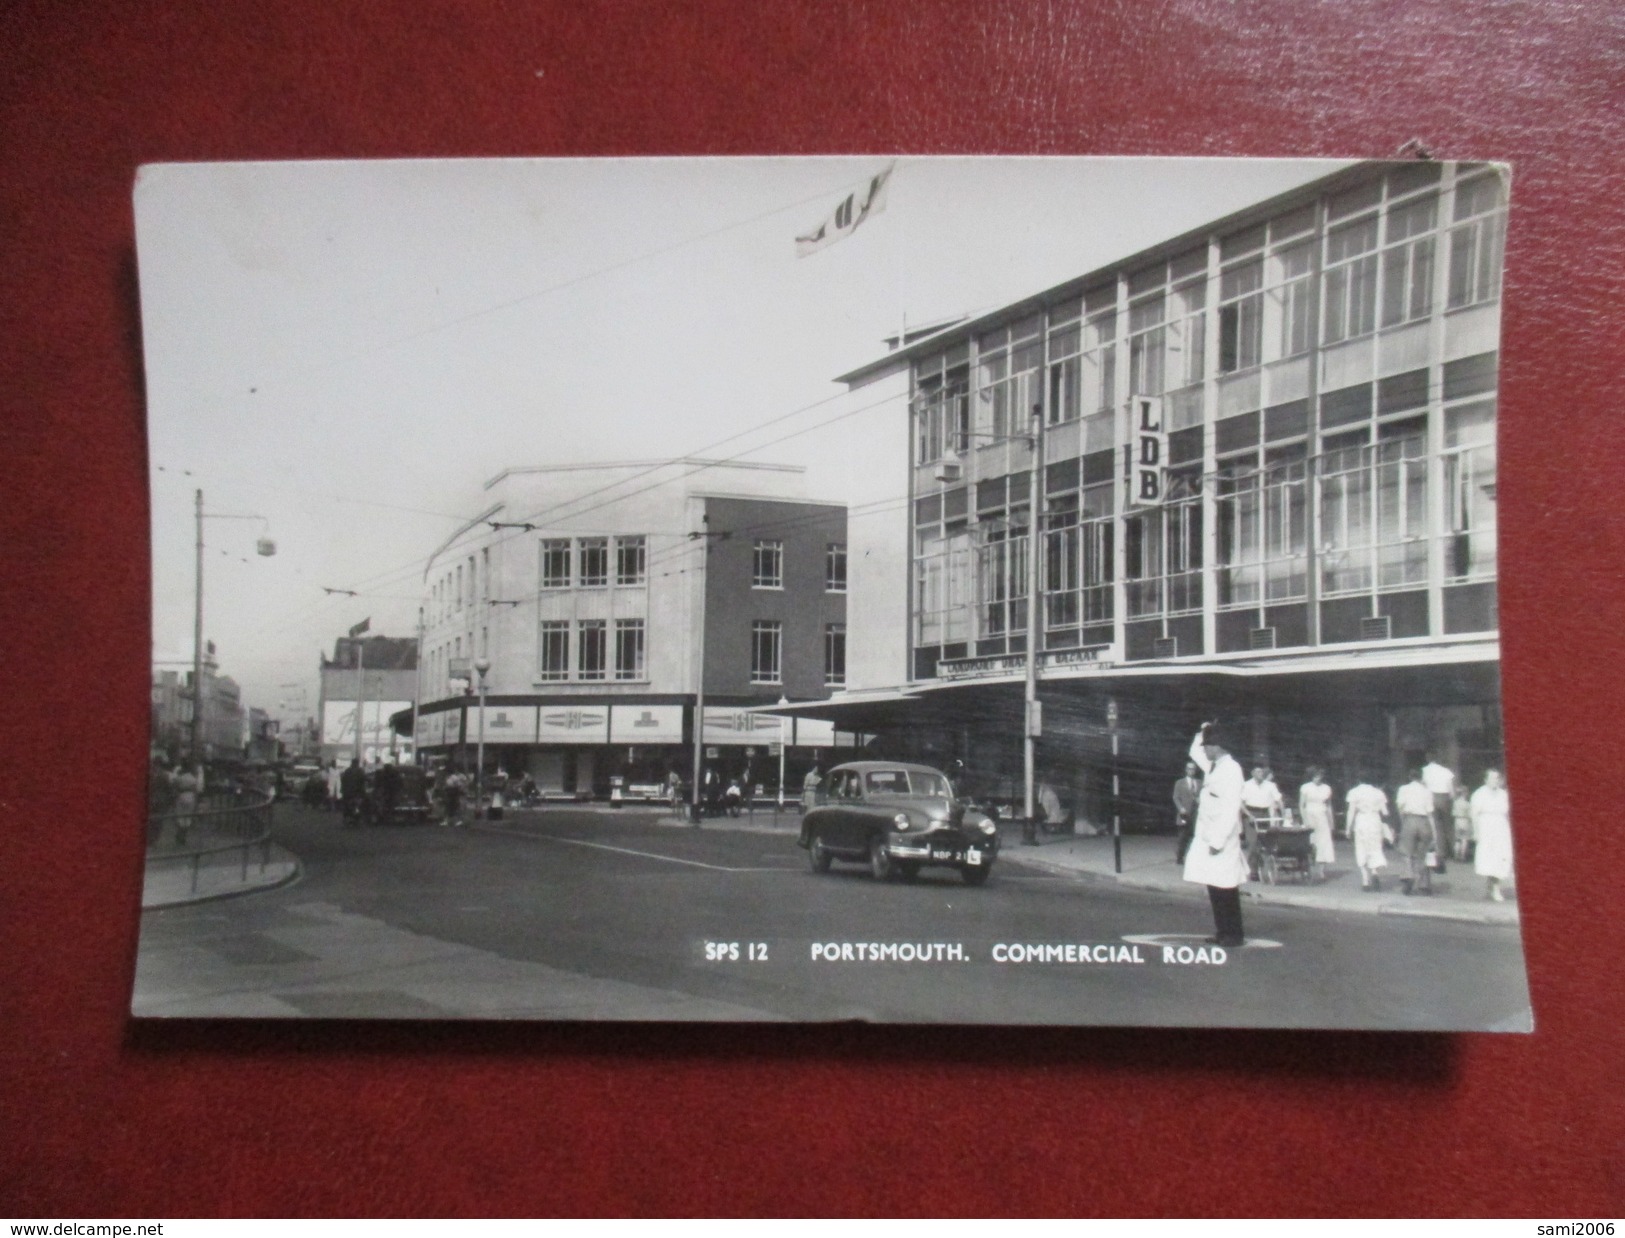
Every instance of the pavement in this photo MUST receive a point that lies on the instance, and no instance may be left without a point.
(1147, 863)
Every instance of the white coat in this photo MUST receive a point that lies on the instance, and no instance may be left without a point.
(1216, 857)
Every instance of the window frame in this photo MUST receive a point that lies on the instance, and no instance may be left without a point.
(773, 576)
(767, 651)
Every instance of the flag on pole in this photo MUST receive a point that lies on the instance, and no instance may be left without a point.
(845, 218)
(363, 626)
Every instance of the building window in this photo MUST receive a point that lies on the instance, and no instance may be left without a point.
(485, 572)
(834, 655)
(556, 563)
(631, 561)
(1145, 345)
(1290, 300)
(594, 561)
(942, 408)
(1373, 515)
(942, 582)
(1407, 263)
(1186, 334)
(767, 565)
(1477, 241)
(555, 659)
(1351, 280)
(835, 568)
(1003, 580)
(629, 649)
(591, 654)
(1241, 316)
(1263, 528)
(1469, 479)
(1008, 386)
(1065, 343)
(459, 586)
(766, 651)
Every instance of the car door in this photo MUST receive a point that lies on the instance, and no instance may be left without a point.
(844, 794)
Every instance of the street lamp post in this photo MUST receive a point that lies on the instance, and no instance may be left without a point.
(265, 547)
(481, 666)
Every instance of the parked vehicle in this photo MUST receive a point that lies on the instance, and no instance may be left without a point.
(399, 796)
(897, 818)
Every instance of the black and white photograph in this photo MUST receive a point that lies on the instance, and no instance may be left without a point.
(901, 589)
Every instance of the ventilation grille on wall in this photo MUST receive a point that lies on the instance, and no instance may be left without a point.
(1378, 627)
(1261, 638)
(1165, 647)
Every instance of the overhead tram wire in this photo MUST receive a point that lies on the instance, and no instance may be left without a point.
(407, 570)
(474, 315)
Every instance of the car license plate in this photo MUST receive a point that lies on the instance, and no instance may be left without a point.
(938, 853)
(973, 857)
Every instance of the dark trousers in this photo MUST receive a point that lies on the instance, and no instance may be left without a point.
(1187, 831)
(1226, 913)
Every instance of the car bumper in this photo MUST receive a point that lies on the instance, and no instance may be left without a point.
(959, 850)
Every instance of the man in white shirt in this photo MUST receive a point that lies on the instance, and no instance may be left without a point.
(1215, 858)
(1415, 804)
(1442, 783)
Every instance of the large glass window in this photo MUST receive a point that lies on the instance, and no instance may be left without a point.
(1065, 365)
(1407, 263)
(1009, 362)
(1477, 241)
(1241, 316)
(631, 561)
(594, 561)
(1162, 552)
(555, 650)
(1186, 333)
(1145, 344)
(1345, 519)
(942, 585)
(1098, 362)
(1290, 303)
(592, 637)
(1263, 530)
(834, 654)
(766, 651)
(1402, 519)
(629, 649)
(1061, 564)
(556, 563)
(767, 565)
(1002, 578)
(942, 408)
(1351, 280)
(1469, 479)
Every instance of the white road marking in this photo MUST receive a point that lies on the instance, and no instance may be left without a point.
(647, 855)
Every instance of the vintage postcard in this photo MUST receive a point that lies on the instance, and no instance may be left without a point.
(905, 589)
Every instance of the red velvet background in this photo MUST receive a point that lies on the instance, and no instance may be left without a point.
(101, 1118)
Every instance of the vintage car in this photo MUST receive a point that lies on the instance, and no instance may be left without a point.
(897, 818)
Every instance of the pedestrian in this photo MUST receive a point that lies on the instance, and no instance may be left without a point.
(353, 790)
(1441, 783)
(335, 785)
(1187, 791)
(809, 787)
(186, 787)
(1261, 810)
(455, 783)
(1416, 842)
(1492, 835)
(674, 788)
(1366, 810)
(1216, 859)
(1315, 807)
(734, 797)
(1461, 821)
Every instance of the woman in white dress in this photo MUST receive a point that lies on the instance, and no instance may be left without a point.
(1367, 806)
(1492, 835)
(1315, 807)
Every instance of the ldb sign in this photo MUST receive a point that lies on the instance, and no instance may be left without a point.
(1150, 447)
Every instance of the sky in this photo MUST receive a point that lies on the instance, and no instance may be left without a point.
(345, 352)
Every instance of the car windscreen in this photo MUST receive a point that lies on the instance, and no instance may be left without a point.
(904, 782)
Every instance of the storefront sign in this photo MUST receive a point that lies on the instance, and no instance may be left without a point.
(990, 665)
(574, 724)
(338, 722)
(504, 724)
(646, 724)
(1147, 479)
(738, 726)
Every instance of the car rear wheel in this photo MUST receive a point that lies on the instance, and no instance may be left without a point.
(816, 855)
(880, 864)
(976, 876)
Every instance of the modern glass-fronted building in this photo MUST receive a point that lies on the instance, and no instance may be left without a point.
(1266, 489)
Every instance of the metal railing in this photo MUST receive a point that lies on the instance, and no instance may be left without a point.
(219, 826)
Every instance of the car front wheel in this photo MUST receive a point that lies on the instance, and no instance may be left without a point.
(816, 855)
(880, 864)
(976, 876)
